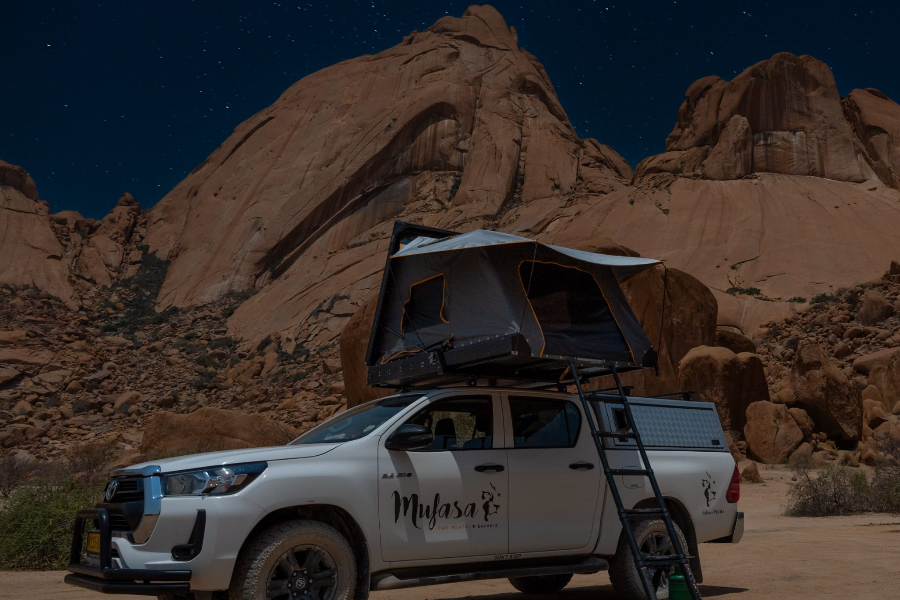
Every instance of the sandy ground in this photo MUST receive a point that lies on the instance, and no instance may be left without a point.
(779, 558)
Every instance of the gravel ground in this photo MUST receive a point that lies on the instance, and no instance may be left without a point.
(779, 557)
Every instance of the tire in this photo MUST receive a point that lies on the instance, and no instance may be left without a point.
(652, 538)
(541, 584)
(308, 558)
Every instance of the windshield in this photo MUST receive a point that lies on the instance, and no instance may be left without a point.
(357, 422)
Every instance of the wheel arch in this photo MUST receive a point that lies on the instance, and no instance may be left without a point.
(682, 518)
(331, 515)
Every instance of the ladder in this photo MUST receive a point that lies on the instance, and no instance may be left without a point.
(647, 566)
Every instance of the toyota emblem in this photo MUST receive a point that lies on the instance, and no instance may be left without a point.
(111, 489)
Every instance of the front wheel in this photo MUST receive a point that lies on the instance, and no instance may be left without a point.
(653, 540)
(541, 584)
(298, 560)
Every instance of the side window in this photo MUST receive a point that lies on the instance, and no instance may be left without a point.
(459, 423)
(544, 423)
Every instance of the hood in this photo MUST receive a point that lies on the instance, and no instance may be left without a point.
(232, 457)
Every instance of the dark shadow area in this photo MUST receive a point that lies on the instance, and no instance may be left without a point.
(593, 592)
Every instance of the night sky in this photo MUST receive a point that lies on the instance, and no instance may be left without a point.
(99, 98)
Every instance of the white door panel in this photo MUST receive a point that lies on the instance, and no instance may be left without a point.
(444, 503)
(552, 505)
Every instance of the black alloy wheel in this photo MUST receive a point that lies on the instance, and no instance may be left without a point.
(302, 573)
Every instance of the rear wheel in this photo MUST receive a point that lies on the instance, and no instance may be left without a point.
(299, 560)
(653, 540)
(541, 584)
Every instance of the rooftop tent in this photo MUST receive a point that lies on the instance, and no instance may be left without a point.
(490, 304)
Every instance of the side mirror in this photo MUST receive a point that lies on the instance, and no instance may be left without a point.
(410, 437)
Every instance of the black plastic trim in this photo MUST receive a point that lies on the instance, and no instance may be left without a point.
(190, 551)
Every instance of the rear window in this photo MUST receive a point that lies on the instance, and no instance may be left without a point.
(544, 423)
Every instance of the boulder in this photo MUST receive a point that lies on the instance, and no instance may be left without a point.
(12, 337)
(734, 341)
(802, 455)
(7, 375)
(864, 364)
(772, 434)
(732, 381)
(750, 474)
(206, 429)
(823, 391)
(805, 424)
(875, 308)
(26, 357)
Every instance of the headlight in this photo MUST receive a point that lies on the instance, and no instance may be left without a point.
(212, 481)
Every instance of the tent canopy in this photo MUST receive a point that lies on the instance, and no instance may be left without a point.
(495, 305)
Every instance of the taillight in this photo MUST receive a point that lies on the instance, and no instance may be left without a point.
(734, 488)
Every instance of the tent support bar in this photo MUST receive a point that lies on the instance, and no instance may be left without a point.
(652, 569)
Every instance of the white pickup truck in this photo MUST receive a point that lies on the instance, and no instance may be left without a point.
(419, 488)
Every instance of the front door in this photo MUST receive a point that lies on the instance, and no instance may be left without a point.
(448, 500)
(554, 475)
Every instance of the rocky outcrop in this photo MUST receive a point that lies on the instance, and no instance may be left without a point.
(170, 434)
(823, 391)
(31, 253)
(876, 119)
(789, 120)
(456, 127)
(731, 381)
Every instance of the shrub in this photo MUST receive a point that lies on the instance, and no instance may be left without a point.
(833, 491)
(36, 524)
(798, 299)
(241, 296)
(819, 298)
(839, 490)
(223, 342)
(751, 291)
(14, 471)
(80, 406)
(91, 461)
(205, 360)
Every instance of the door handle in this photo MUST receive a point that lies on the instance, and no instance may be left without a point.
(581, 466)
(489, 468)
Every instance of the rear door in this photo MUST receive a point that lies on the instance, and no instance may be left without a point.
(554, 475)
(449, 500)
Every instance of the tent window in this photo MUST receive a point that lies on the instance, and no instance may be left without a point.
(426, 305)
(571, 311)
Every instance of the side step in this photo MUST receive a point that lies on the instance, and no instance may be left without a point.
(415, 577)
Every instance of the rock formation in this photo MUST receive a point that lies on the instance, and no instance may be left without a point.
(772, 196)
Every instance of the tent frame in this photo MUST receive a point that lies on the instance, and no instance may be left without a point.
(482, 359)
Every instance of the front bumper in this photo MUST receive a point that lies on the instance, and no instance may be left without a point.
(107, 578)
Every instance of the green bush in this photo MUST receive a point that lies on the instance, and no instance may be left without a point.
(36, 523)
(751, 291)
(798, 299)
(208, 361)
(819, 298)
(223, 342)
(839, 490)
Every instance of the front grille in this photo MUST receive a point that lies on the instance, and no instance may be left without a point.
(130, 490)
(126, 505)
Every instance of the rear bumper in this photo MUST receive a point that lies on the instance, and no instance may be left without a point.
(737, 531)
(109, 579)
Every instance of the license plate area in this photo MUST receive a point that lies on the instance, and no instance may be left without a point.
(93, 543)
